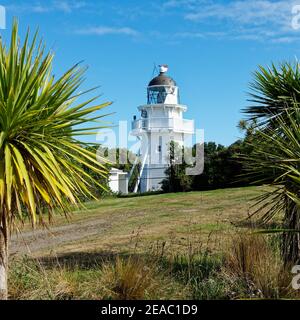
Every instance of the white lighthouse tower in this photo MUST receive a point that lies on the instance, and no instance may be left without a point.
(161, 122)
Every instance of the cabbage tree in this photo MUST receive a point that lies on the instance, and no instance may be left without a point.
(41, 155)
(276, 149)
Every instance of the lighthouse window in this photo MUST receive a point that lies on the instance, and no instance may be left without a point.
(160, 142)
(144, 114)
(157, 95)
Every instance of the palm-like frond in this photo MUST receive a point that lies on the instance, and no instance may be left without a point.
(40, 159)
(272, 91)
(276, 160)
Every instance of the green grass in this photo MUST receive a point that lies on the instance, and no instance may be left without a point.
(203, 227)
(160, 217)
(178, 242)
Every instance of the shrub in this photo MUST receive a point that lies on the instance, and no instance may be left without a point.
(258, 265)
(29, 280)
(127, 279)
(135, 278)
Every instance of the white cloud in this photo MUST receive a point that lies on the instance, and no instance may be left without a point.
(249, 20)
(104, 30)
(40, 7)
(181, 3)
(245, 12)
(67, 6)
(257, 20)
(199, 35)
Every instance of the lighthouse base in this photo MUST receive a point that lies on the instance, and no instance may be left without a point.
(152, 177)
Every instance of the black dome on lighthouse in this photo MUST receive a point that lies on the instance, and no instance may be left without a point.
(162, 79)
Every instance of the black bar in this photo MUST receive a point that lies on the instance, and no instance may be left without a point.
(179, 310)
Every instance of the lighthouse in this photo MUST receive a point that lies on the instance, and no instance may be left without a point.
(161, 121)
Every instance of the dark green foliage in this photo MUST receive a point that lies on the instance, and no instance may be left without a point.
(121, 159)
(275, 156)
(124, 161)
(177, 180)
(222, 168)
(273, 90)
(98, 192)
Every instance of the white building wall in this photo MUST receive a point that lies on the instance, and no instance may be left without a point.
(160, 124)
(113, 183)
(172, 97)
(123, 184)
(156, 148)
(118, 182)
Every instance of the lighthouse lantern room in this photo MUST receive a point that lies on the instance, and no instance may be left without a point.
(160, 123)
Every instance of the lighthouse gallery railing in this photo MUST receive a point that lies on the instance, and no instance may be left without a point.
(180, 125)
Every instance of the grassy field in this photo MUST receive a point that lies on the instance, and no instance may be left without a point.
(120, 225)
(187, 245)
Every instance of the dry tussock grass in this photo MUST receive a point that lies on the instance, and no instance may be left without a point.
(29, 280)
(130, 278)
(252, 259)
(135, 279)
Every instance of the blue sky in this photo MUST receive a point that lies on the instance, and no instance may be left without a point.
(212, 48)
